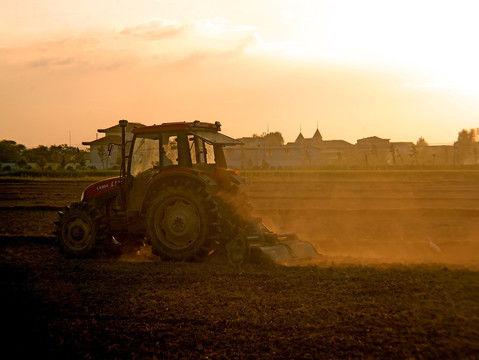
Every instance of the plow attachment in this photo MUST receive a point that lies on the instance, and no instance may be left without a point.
(280, 248)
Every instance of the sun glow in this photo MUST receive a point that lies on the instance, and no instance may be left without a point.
(399, 69)
(435, 38)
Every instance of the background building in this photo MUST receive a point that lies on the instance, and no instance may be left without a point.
(100, 158)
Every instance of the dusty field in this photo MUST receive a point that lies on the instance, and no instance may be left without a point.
(399, 279)
(386, 217)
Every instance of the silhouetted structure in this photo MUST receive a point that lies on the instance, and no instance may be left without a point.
(99, 157)
(314, 152)
(370, 152)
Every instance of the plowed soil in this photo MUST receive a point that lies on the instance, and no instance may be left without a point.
(399, 277)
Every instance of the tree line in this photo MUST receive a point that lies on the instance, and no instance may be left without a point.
(13, 153)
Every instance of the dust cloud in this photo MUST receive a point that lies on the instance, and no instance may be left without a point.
(385, 218)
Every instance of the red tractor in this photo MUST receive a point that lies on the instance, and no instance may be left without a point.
(176, 191)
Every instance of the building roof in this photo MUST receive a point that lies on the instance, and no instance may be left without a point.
(335, 144)
(131, 125)
(104, 140)
(403, 143)
(372, 139)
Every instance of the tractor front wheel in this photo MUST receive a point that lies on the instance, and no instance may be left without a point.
(78, 229)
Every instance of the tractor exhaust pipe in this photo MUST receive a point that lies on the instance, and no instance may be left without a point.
(123, 125)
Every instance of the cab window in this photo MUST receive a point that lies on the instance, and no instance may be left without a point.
(169, 150)
(201, 151)
(145, 155)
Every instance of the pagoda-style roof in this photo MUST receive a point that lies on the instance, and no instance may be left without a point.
(300, 138)
(317, 135)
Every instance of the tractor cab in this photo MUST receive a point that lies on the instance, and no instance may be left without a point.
(160, 152)
(188, 145)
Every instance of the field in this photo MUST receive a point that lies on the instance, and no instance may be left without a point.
(399, 277)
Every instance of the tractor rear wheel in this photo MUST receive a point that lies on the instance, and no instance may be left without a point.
(182, 222)
(79, 227)
(235, 218)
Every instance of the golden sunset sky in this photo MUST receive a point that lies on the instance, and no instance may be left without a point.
(393, 69)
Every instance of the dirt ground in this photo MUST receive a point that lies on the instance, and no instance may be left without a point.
(399, 277)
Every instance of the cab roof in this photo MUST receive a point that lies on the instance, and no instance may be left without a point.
(178, 126)
(207, 131)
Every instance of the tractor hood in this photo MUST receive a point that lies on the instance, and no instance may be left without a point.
(101, 188)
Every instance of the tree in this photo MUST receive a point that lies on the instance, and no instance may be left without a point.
(103, 155)
(10, 151)
(34, 155)
(414, 152)
(80, 158)
(422, 142)
(22, 163)
(465, 144)
(271, 139)
(307, 155)
(63, 161)
(392, 150)
(42, 162)
(61, 154)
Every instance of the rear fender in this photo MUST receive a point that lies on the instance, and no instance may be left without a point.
(169, 177)
(225, 177)
(235, 178)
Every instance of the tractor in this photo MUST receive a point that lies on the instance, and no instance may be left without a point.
(175, 192)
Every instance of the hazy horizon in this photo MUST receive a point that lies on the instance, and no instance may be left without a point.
(396, 70)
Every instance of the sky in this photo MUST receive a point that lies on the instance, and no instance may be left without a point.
(395, 69)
